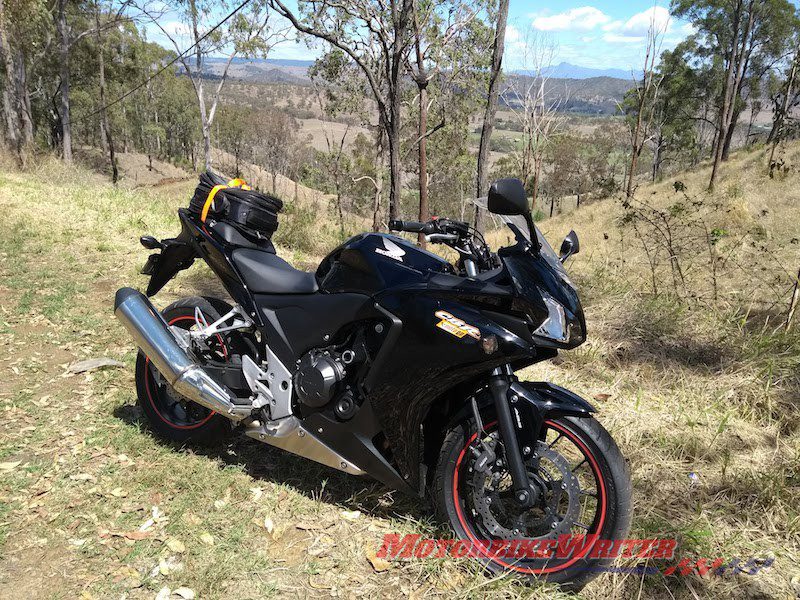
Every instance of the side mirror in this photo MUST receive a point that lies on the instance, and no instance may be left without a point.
(569, 246)
(507, 197)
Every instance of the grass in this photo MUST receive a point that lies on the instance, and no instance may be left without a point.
(702, 400)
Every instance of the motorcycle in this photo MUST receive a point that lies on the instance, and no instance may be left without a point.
(391, 362)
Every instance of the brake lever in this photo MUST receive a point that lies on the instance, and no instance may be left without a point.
(438, 238)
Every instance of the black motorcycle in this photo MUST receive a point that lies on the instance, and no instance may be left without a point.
(391, 362)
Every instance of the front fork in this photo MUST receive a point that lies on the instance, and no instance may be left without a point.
(511, 423)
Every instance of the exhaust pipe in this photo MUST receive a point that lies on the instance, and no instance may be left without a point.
(152, 334)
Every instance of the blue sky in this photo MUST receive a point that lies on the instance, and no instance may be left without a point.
(607, 34)
(600, 34)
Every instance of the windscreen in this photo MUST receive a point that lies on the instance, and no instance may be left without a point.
(546, 250)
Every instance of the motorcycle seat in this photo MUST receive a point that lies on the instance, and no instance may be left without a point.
(266, 273)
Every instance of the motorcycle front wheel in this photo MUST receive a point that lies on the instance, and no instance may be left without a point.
(583, 496)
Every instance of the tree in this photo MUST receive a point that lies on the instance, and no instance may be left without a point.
(16, 97)
(276, 133)
(731, 33)
(674, 113)
(785, 96)
(247, 34)
(105, 125)
(535, 106)
(442, 42)
(376, 36)
(643, 99)
(481, 183)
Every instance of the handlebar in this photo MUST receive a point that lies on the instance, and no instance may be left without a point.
(470, 245)
(412, 226)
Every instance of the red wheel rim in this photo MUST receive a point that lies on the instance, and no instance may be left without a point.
(148, 378)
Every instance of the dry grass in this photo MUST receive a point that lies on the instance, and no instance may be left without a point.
(689, 390)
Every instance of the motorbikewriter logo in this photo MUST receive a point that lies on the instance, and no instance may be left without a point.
(564, 547)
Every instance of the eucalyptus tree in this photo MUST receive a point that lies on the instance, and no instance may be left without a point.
(490, 110)
(535, 103)
(735, 33)
(449, 45)
(377, 36)
(249, 33)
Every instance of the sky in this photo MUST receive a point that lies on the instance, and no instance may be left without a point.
(603, 34)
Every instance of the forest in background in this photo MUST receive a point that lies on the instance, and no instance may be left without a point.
(407, 112)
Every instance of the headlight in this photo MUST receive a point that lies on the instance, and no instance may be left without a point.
(555, 325)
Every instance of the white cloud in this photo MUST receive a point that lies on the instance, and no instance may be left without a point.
(635, 29)
(639, 24)
(582, 19)
(613, 25)
(615, 38)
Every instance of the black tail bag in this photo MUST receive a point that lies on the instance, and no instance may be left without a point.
(253, 211)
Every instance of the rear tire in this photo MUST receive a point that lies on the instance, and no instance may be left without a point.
(472, 517)
(171, 416)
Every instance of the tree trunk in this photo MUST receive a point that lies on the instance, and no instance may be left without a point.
(726, 148)
(780, 118)
(635, 148)
(395, 170)
(24, 100)
(481, 182)
(66, 126)
(106, 126)
(376, 207)
(732, 81)
(422, 86)
(424, 212)
(657, 156)
(9, 103)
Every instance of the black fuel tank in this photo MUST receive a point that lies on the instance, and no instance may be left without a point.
(372, 262)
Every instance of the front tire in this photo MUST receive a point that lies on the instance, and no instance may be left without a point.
(584, 489)
(169, 415)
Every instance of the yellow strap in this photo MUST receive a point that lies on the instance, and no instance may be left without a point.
(238, 183)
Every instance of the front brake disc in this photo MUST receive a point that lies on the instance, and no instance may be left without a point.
(493, 499)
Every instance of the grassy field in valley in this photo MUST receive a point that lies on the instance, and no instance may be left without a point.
(702, 400)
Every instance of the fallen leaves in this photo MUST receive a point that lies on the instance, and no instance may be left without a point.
(133, 536)
(602, 397)
(350, 515)
(207, 538)
(93, 364)
(182, 592)
(378, 563)
(269, 525)
(176, 546)
(10, 466)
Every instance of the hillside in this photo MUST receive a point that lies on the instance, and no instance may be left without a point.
(701, 396)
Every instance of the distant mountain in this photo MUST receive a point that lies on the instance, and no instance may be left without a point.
(584, 90)
(258, 70)
(566, 70)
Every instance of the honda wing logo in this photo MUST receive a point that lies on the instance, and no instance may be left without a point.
(391, 250)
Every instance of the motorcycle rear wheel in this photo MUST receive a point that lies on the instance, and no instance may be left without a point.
(584, 490)
(170, 415)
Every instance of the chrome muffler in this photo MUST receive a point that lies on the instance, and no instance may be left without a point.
(155, 338)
